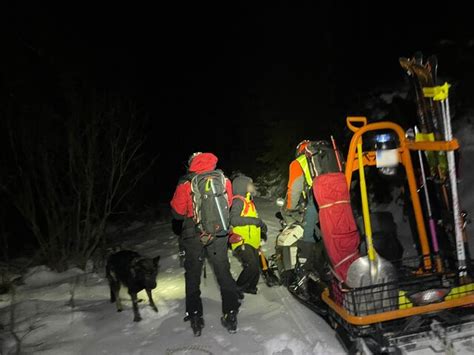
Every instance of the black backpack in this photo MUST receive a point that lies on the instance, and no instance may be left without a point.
(210, 204)
(323, 159)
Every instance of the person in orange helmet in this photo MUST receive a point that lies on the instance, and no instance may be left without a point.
(300, 205)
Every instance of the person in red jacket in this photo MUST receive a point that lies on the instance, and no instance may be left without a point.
(216, 252)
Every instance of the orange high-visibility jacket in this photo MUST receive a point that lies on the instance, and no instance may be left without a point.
(299, 180)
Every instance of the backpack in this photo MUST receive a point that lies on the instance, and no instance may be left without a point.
(210, 204)
(323, 159)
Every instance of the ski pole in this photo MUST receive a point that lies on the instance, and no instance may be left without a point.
(465, 221)
(454, 190)
(432, 224)
(336, 153)
(440, 93)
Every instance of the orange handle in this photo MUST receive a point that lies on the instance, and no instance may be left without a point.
(263, 261)
(356, 119)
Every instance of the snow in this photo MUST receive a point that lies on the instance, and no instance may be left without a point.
(134, 225)
(41, 276)
(70, 312)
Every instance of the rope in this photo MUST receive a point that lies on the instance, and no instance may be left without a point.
(346, 259)
(334, 203)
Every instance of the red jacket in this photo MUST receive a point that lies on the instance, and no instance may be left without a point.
(182, 203)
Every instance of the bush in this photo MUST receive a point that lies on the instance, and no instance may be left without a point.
(67, 177)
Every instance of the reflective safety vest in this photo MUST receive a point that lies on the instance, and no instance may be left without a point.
(307, 174)
(306, 169)
(250, 234)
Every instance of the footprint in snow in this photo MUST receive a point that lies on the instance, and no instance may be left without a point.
(179, 329)
(248, 329)
(222, 341)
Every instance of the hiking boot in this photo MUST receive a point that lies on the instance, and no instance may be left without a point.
(270, 278)
(181, 256)
(252, 291)
(229, 321)
(197, 322)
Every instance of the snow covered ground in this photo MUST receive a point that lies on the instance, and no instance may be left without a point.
(70, 313)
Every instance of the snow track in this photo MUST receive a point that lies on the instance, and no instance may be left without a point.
(271, 322)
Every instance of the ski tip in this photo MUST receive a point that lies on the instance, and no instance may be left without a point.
(403, 60)
(406, 65)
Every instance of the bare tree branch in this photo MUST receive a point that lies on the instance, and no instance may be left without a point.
(67, 189)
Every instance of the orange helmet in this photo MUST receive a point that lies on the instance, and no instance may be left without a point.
(300, 148)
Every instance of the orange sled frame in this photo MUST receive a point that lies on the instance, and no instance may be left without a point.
(465, 296)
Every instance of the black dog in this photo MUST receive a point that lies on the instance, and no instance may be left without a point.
(136, 273)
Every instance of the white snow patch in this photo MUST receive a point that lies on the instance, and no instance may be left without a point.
(42, 275)
(134, 225)
(285, 344)
(50, 323)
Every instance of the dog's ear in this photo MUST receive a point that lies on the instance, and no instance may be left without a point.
(156, 260)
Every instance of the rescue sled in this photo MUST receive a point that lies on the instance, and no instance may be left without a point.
(425, 303)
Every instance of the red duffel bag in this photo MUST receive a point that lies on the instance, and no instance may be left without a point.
(338, 227)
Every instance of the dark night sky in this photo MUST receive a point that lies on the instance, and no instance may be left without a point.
(189, 64)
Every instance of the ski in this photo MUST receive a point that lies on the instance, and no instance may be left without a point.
(441, 94)
(435, 123)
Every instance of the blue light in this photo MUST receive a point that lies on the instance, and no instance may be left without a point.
(383, 138)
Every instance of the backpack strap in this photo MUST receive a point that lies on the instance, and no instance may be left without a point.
(195, 196)
(223, 179)
(186, 178)
(244, 200)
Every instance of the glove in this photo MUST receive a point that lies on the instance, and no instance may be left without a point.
(263, 230)
(263, 227)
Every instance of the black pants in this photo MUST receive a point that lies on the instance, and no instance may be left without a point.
(248, 256)
(216, 252)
